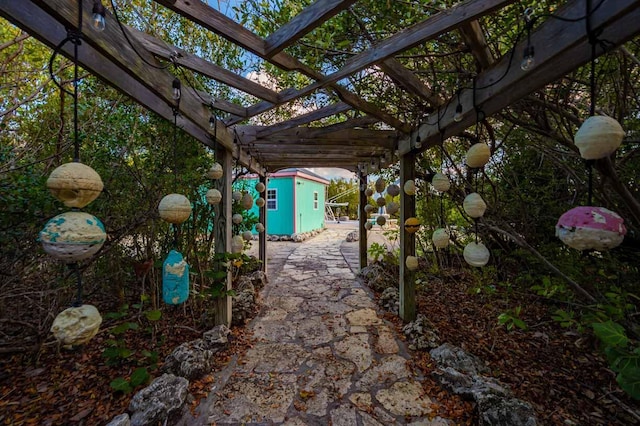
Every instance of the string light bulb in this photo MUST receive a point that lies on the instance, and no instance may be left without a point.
(212, 122)
(97, 18)
(528, 60)
(177, 89)
(457, 117)
(418, 144)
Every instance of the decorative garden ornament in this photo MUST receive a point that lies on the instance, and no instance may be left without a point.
(215, 172)
(598, 137)
(368, 208)
(77, 325)
(380, 185)
(441, 182)
(381, 220)
(591, 228)
(474, 205)
(368, 226)
(410, 187)
(247, 236)
(175, 279)
(411, 263)
(237, 218)
(260, 228)
(247, 201)
(381, 201)
(440, 238)
(411, 225)
(260, 202)
(73, 236)
(174, 208)
(213, 197)
(393, 207)
(75, 184)
(393, 190)
(476, 254)
(260, 187)
(478, 155)
(237, 244)
(368, 192)
(236, 195)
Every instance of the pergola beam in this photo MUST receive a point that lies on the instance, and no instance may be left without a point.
(311, 17)
(309, 117)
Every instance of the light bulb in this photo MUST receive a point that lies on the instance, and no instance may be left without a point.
(176, 90)
(97, 19)
(528, 60)
(212, 122)
(418, 142)
(457, 117)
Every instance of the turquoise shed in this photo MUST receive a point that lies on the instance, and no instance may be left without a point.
(294, 199)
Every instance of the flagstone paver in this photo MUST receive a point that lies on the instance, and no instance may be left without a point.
(323, 354)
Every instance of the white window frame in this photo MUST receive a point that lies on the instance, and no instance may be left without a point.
(273, 199)
(316, 200)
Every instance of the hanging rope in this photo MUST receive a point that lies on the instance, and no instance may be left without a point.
(593, 41)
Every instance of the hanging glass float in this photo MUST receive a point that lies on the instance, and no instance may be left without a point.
(381, 201)
(411, 262)
(381, 220)
(213, 197)
(440, 238)
(175, 279)
(598, 137)
(393, 207)
(368, 208)
(174, 208)
(476, 254)
(237, 244)
(380, 185)
(73, 236)
(474, 205)
(393, 190)
(247, 236)
(411, 225)
(260, 187)
(236, 195)
(368, 226)
(237, 218)
(260, 202)
(440, 182)
(215, 172)
(410, 187)
(591, 228)
(76, 325)
(478, 155)
(260, 228)
(368, 192)
(75, 184)
(247, 201)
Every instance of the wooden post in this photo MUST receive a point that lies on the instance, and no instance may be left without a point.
(362, 219)
(262, 236)
(222, 229)
(407, 241)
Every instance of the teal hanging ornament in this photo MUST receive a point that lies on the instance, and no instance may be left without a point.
(175, 279)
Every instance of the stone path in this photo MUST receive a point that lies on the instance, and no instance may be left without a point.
(323, 354)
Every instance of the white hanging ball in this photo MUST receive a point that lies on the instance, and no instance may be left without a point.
(598, 137)
(411, 263)
(237, 244)
(73, 236)
(441, 182)
(236, 195)
(75, 184)
(368, 226)
(393, 207)
(260, 202)
(478, 155)
(591, 228)
(440, 238)
(215, 172)
(393, 190)
(260, 187)
(381, 201)
(237, 218)
(380, 185)
(174, 208)
(213, 196)
(368, 208)
(476, 254)
(474, 205)
(368, 192)
(381, 220)
(410, 187)
(247, 236)
(259, 227)
(77, 325)
(247, 201)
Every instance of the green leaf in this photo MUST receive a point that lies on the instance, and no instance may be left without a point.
(139, 377)
(111, 352)
(630, 384)
(125, 352)
(503, 318)
(611, 334)
(153, 315)
(520, 324)
(120, 385)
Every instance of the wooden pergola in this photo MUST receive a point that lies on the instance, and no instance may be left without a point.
(372, 136)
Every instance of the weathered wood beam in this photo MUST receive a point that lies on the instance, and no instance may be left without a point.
(195, 63)
(473, 36)
(218, 103)
(262, 236)
(311, 17)
(429, 29)
(347, 137)
(362, 219)
(304, 119)
(222, 234)
(352, 123)
(407, 241)
(560, 47)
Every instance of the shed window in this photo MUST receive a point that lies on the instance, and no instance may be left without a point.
(315, 200)
(272, 199)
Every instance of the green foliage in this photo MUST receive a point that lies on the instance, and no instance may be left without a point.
(623, 355)
(566, 319)
(377, 251)
(140, 376)
(511, 318)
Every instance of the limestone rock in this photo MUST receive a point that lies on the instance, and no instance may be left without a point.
(243, 306)
(377, 278)
(76, 325)
(420, 334)
(297, 238)
(452, 356)
(120, 420)
(190, 360)
(390, 300)
(472, 387)
(352, 236)
(258, 279)
(405, 399)
(155, 403)
(217, 337)
(496, 411)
